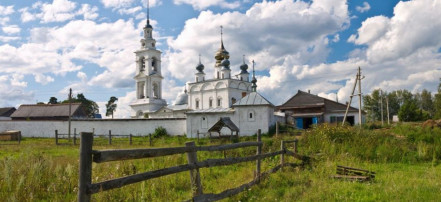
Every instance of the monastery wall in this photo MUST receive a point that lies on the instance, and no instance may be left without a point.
(135, 127)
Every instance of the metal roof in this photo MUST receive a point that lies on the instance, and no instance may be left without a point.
(45, 110)
(307, 100)
(307, 114)
(211, 110)
(253, 98)
(223, 122)
(7, 111)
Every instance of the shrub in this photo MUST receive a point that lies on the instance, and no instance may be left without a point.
(160, 132)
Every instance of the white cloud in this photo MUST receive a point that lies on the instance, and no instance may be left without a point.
(89, 13)
(7, 39)
(130, 11)
(10, 93)
(201, 5)
(82, 76)
(40, 78)
(117, 3)
(363, 8)
(6, 10)
(11, 29)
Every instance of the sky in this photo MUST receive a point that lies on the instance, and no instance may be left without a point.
(47, 47)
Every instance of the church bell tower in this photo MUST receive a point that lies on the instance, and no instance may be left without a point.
(148, 77)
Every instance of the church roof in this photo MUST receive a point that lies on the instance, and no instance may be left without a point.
(253, 98)
(211, 110)
(223, 122)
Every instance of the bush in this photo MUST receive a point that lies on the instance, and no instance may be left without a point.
(160, 132)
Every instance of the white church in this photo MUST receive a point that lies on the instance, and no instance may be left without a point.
(207, 101)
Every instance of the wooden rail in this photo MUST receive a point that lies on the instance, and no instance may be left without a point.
(87, 156)
(109, 137)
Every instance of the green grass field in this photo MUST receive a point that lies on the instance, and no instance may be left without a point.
(405, 158)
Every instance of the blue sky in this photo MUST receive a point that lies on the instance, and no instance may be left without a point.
(47, 47)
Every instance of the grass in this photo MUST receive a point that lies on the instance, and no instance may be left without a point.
(405, 158)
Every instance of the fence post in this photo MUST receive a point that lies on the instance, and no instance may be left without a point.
(282, 156)
(295, 145)
(195, 177)
(130, 139)
(56, 137)
(259, 152)
(19, 138)
(277, 128)
(150, 139)
(110, 137)
(198, 136)
(85, 170)
(75, 136)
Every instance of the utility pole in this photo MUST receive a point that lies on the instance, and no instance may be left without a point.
(381, 106)
(350, 100)
(387, 109)
(359, 95)
(70, 111)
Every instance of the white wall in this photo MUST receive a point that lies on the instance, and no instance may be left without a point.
(102, 126)
(354, 114)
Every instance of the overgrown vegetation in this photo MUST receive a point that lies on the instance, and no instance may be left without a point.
(405, 157)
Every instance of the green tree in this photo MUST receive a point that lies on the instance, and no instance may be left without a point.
(111, 106)
(90, 107)
(437, 102)
(425, 101)
(409, 112)
(371, 104)
(53, 100)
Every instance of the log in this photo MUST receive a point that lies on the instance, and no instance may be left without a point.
(228, 146)
(85, 168)
(195, 177)
(258, 152)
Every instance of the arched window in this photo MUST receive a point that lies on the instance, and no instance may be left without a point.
(251, 115)
(140, 114)
(141, 64)
(197, 104)
(155, 91)
(219, 102)
(154, 64)
(210, 102)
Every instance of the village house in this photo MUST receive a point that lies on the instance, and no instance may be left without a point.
(5, 113)
(48, 112)
(304, 109)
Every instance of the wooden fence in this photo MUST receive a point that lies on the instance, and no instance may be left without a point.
(87, 156)
(109, 137)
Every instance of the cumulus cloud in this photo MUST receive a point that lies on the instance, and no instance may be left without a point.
(13, 92)
(6, 10)
(277, 35)
(201, 5)
(11, 29)
(43, 79)
(363, 8)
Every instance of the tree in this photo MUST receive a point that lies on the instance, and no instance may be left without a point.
(409, 112)
(437, 102)
(111, 106)
(425, 101)
(53, 100)
(371, 106)
(90, 107)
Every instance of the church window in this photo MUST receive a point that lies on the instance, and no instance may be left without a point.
(153, 44)
(241, 78)
(197, 104)
(219, 102)
(197, 80)
(142, 64)
(154, 65)
(251, 115)
(210, 102)
(155, 91)
(233, 100)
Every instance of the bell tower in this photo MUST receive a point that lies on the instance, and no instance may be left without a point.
(148, 77)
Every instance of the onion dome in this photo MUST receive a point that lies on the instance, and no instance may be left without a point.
(226, 63)
(244, 67)
(200, 67)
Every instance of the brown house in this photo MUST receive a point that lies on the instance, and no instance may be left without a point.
(48, 112)
(305, 109)
(6, 111)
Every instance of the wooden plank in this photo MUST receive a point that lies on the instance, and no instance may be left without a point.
(298, 156)
(195, 177)
(233, 191)
(125, 154)
(120, 182)
(338, 166)
(85, 168)
(116, 155)
(258, 152)
(228, 146)
(351, 177)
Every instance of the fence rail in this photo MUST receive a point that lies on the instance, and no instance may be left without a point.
(109, 137)
(87, 156)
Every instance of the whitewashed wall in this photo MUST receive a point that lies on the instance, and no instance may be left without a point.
(102, 126)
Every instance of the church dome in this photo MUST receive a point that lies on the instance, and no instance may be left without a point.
(225, 63)
(200, 67)
(182, 99)
(244, 68)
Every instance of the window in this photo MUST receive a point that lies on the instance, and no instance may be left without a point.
(217, 75)
(251, 115)
(219, 102)
(233, 100)
(142, 64)
(154, 64)
(197, 104)
(197, 79)
(210, 102)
